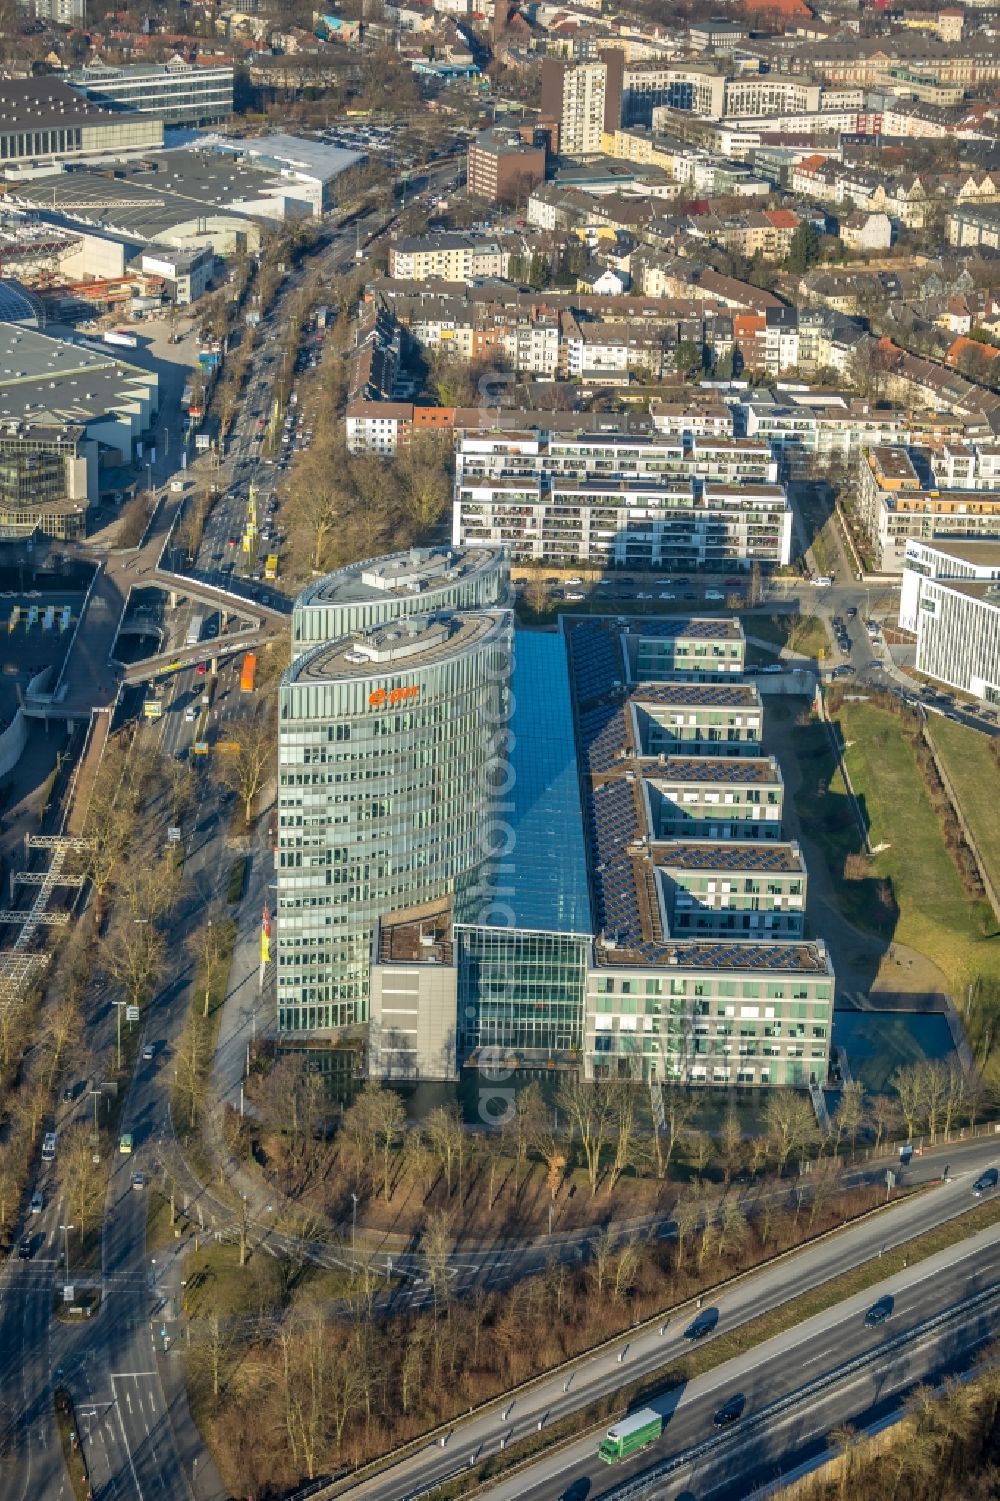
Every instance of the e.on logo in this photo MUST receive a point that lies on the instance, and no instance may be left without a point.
(388, 698)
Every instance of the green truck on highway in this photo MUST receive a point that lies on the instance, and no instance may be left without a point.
(630, 1435)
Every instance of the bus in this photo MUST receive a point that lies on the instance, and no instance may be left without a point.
(194, 630)
(152, 704)
(66, 618)
(271, 566)
(248, 673)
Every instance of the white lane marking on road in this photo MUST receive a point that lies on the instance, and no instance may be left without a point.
(128, 1451)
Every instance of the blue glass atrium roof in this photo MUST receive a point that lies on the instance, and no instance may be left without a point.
(548, 884)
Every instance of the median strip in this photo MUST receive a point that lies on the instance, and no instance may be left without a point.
(717, 1351)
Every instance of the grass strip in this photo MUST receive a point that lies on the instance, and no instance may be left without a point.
(725, 1347)
(76, 1467)
(237, 880)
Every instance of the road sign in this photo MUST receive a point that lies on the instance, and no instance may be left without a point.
(68, 1292)
(174, 834)
(131, 1013)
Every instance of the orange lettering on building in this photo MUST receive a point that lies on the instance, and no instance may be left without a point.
(383, 698)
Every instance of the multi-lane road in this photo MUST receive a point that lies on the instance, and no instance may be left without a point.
(137, 1434)
(793, 1389)
(644, 1351)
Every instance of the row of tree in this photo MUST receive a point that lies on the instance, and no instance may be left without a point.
(595, 1137)
(310, 1387)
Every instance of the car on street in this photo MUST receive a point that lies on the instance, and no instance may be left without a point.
(733, 583)
(878, 1313)
(730, 1411)
(147, 1053)
(666, 594)
(716, 594)
(690, 594)
(985, 1182)
(138, 1180)
(26, 1249)
(37, 1202)
(201, 669)
(851, 612)
(705, 1323)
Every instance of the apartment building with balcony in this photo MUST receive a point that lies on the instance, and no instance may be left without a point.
(613, 499)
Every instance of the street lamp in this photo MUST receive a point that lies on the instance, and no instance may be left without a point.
(354, 1220)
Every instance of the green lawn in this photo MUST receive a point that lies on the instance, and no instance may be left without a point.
(802, 633)
(935, 916)
(975, 777)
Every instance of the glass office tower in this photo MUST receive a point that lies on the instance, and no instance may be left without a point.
(522, 957)
(389, 743)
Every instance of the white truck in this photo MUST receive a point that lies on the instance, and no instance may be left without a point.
(194, 630)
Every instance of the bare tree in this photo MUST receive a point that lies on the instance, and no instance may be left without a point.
(789, 1124)
(445, 1136)
(246, 768)
(624, 1103)
(730, 1145)
(678, 1109)
(852, 1111)
(193, 1055)
(589, 1108)
(80, 1178)
(134, 953)
(63, 1022)
(210, 947)
(885, 1117)
(909, 1095)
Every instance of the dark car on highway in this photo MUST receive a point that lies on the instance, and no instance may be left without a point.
(703, 1324)
(25, 1250)
(878, 1313)
(731, 1411)
(985, 1182)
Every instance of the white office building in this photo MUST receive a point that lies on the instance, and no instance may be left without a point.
(950, 600)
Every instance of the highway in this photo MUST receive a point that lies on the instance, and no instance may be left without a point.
(795, 1388)
(646, 1349)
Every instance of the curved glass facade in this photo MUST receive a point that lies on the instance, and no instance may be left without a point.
(385, 784)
